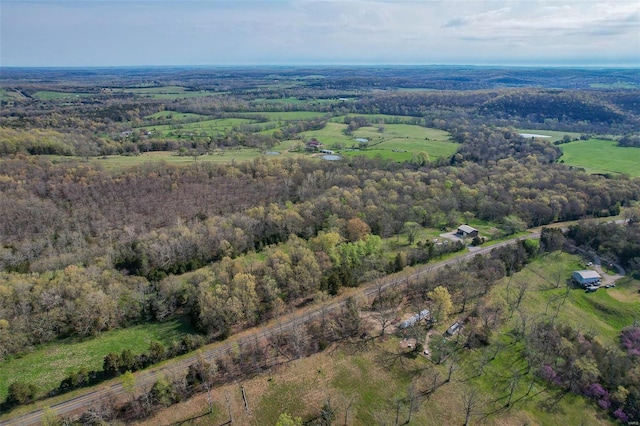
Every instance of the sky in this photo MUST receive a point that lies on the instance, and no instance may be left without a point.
(55, 33)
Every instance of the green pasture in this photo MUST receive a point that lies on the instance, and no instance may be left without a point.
(220, 156)
(376, 119)
(601, 156)
(399, 142)
(293, 101)
(47, 365)
(47, 95)
(168, 92)
(157, 90)
(286, 115)
(555, 135)
(174, 115)
(616, 85)
(209, 127)
(120, 162)
(332, 133)
(8, 95)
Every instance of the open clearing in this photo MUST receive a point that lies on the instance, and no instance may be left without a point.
(46, 95)
(554, 135)
(287, 115)
(175, 115)
(399, 142)
(168, 92)
(602, 156)
(47, 365)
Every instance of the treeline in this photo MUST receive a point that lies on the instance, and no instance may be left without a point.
(619, 244)
(630, 140)
(54, 216)
(577, 111)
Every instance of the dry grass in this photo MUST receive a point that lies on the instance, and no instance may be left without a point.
(369, 381)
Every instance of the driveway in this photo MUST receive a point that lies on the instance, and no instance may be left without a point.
(607, 278)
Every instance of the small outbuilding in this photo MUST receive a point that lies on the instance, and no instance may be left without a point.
(454, 328)
(467, 231)
(586, 278)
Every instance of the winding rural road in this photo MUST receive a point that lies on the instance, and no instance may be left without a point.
(146, 378)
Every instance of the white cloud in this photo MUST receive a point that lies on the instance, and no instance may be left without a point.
(58, 32)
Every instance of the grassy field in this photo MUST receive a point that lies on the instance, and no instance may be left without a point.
(555, 136)
(617, 85)
(46, 95)
(287, 115)
(604, 312)
(399, 142)
(119, 162)
(168, 92)
(600, 156)
(46, 366)
(209, 127)
(175, 115)
(293, 101)
(377, 118)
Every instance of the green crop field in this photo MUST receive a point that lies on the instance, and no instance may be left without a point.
(600, 156)
(46, 366)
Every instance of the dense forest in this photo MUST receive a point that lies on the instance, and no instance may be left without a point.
(84, 249)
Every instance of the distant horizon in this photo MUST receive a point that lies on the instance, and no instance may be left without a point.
(324, 65)
(248, 33)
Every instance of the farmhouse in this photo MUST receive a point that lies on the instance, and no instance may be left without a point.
(586, 278)
(467, 231)
(314, 145)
